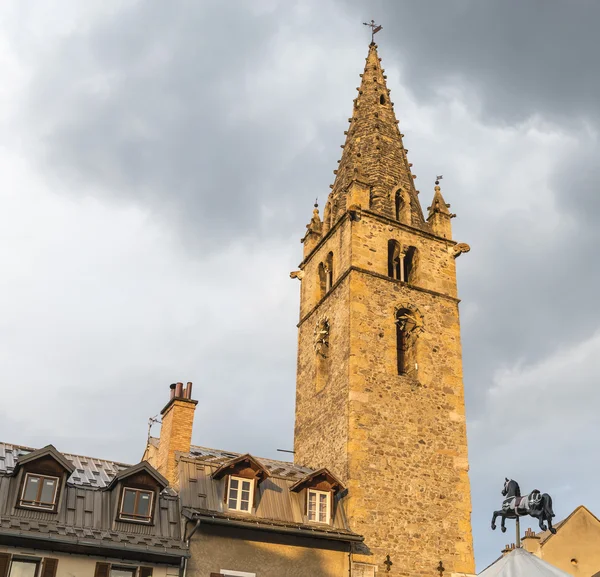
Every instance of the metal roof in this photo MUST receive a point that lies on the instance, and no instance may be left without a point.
(276, 506)
(85, 517)
(281, 469)
(89, 472)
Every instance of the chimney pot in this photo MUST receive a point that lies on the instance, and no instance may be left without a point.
(179, 390)
(188, 391)
(172, 387)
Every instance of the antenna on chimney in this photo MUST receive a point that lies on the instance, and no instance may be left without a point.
(151, 422)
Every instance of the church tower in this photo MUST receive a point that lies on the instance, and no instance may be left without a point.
(380, 398)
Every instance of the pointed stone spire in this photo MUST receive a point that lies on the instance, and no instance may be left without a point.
(439, 214)
(374, 150)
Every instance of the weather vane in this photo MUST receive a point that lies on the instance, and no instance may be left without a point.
(374, 29)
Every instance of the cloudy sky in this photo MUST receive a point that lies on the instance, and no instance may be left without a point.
(158, 164)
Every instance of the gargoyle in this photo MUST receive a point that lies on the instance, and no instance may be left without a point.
(460, 248)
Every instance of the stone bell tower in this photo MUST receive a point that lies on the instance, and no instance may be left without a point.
(380, 398)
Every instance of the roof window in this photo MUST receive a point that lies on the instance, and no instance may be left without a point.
(318, 506)
(240, 494)
(39, 492)
(136, 505)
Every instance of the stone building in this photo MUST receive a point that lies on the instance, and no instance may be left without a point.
(380, 475)
(379, 398)
(248, 516)
(65, 515)
(575, 548)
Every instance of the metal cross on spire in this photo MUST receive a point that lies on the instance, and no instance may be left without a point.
(374, 29)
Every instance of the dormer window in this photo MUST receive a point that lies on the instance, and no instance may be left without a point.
(136, 505)
(39, 491)
(318, 506)
(240, 494)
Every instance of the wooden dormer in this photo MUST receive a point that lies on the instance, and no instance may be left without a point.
(41, 477)
(245, 466)
(321, 480)
(136, 492)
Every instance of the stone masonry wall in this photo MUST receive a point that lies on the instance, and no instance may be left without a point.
(399, 442)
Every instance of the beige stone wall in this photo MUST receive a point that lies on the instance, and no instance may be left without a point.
(266, 559)
(83, 566)
(398, 441)
(579, 540)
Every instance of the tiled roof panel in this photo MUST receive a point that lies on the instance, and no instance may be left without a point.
(88, 472)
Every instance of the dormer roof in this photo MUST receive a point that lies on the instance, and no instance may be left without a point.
(316, 478)
(236, 464)
(145, 467)
(47, 451)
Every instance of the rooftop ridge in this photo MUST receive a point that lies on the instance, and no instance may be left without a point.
(266, 460)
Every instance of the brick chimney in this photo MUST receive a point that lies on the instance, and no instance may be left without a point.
(175, 431)
(531, 542)
(508, 549)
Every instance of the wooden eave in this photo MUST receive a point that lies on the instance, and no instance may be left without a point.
(229, 467)
(308, 481)
(143, 466)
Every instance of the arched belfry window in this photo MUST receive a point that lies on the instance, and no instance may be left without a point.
(406, 328)
(401, 262)
(329, 272)
(394, 262)
(322, 281)
(408, 264)
(398, 204)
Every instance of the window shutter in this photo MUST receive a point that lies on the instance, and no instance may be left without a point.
(145, 571)
(4, 563)
(102, 570)
(49, 567)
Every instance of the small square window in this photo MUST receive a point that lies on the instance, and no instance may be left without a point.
(318, 506)
(122, 571)
(39, 491)
(136, 505)
(240, 494)
(23, 568)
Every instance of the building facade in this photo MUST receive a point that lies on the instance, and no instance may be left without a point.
(575, 548)
(380, 399)
(247, 516)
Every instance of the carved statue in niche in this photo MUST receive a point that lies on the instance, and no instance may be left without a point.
(321, 343)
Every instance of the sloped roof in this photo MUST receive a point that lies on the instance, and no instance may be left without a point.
(545, 535)
(277, 507)
(89, 472)
(521, 563)
(281, 469)
(84, 522)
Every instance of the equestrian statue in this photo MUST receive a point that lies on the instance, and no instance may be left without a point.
(536, 504)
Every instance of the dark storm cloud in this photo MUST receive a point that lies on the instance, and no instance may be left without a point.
(522, 58)
(150, 105)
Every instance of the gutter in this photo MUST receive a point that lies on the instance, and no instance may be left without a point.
(346, 538)
(140, 553)
(184, 561)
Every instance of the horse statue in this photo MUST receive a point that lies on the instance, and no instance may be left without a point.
(536, 504)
